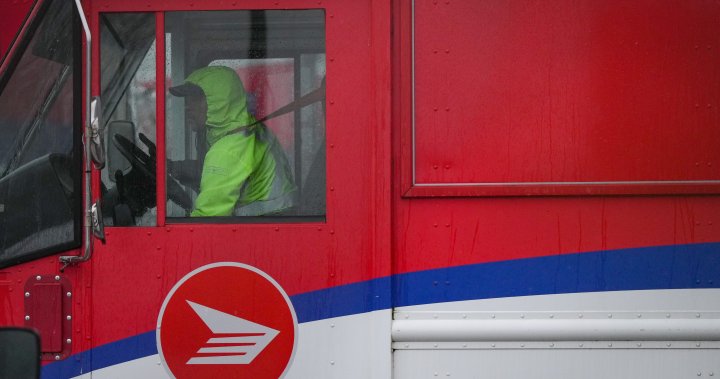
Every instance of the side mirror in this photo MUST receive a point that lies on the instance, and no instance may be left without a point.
(116, 160)
(97, 147)
(19, 354)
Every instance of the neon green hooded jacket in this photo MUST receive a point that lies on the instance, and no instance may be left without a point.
(245, 172)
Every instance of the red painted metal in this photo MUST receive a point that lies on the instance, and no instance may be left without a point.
(13, 15)
(529, 98)
(435, 227)
(48, 300)
(13, 26)
(352, 245)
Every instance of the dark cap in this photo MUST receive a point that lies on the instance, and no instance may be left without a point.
(186, 89)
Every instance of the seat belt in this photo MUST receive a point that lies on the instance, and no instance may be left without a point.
(311, 97)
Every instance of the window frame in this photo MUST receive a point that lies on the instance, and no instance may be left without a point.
(162, 218)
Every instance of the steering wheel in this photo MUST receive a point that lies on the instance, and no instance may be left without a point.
(145, 164)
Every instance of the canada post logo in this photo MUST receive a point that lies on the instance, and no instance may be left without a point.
(226, 320)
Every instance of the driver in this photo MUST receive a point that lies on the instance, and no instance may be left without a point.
(245, 171)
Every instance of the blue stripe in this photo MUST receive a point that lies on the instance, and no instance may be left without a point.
(124, 350)
(663, 267)
(343, 300)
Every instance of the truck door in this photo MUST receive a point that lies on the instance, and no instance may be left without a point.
(40, 180)
(294, 202)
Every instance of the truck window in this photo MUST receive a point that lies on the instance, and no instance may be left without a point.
(227, 72)
(127, 79)
(39, 143)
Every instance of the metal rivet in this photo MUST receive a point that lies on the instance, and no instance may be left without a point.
(552, 345)
(581, 345)
(522, 345)
(27, 318)
(435, 345)
(609, 345)
(332, 325)
(68, 341)
(69, 294)
(57, 277)
(667, 315)
(639, 345)
(580, 315)
(552, 316)
(697, 344)
(668, 344)
(27, 294)
(610, 315)
(493, 345)
(68, 317)
(639, 316)
(493, 316)
(522, 316)
(38, 277)
(332, 362)
(697, 315)
(57, 357)
(407, 345)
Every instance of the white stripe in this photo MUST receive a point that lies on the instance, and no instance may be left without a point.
(223, 360)
(224, 349)
(249, 339)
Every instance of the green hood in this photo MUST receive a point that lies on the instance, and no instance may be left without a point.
(226, 100)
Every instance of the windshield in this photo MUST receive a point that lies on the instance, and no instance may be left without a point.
(39, 161)
(36, 102)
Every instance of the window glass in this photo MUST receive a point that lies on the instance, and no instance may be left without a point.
(245, 115)
(127, 77)
(39, 155)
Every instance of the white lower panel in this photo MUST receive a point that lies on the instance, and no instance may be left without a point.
(147, 367)
(556, 364)
(664, 334)
(352, 347)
